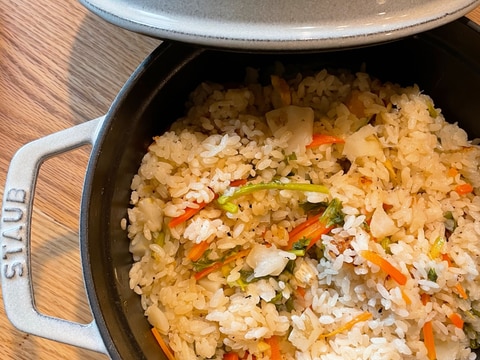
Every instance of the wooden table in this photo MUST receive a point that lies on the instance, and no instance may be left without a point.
(60, 66)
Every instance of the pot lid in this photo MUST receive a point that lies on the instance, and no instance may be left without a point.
(279, 24)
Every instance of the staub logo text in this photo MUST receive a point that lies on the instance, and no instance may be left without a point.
(13, 233)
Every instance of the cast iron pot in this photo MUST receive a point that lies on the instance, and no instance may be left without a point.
(444, 62)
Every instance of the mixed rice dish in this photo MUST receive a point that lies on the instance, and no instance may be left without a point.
(319, 216)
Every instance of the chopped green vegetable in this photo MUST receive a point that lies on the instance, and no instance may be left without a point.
(475, 343)
(318, 252)
(159, 239)
(333, 214)
(385, 242)
(291, 157)
(290, 267)
(450, 222)
(474, 310)
(289, 305)
(299, 248)
(217, 264)
(431, 110)
(246, 277)
(313, 208)
(472, 335)
(203, 262)
(277, 298)
(225, 201)
(432, 275)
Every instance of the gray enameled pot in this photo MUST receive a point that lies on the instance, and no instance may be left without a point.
(444, 62)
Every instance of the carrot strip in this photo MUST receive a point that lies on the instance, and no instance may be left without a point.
(189, 212)
(305, 231)
(452, 172)
(198, 250)
(317, 226)
(166, 349)
(230, 356)
(300, 291)
(208, 270)
(461, 291)
(446, 258)
(317, 233)
(425, 298)
(300, 227)
(321, 139)
(457, 320)
(386, 266)
(464, 189)
(274, 344)
(239, 182)
(218, 265)
(429, 340)
(347, 326)
(313, 232)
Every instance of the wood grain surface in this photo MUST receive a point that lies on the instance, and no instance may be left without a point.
(59, 66)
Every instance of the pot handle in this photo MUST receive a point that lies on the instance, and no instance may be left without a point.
(16, 277)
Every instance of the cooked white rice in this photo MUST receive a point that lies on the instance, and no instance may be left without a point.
(397, 176)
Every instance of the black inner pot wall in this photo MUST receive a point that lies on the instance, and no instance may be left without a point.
(445, 63)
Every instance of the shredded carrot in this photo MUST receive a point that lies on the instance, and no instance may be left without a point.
(461, 291)
(239, 182)
(274, 344)
(189, 212)
(429, 340)
(456, 319)
(219, 264)
(198, 250)
(366, 180)
(347, 326)
(314, 228)
(317, 234)
(386, 266)
(464, 189)
(313, 232)
(387, 207)
(425, 298)
(300, 227)
(406, 298)
(446, 258)
(166, 349)
(300, 291)
(452, 172)
(322, 139)
(230, 356)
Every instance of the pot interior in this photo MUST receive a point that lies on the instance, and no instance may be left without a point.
(444, 62)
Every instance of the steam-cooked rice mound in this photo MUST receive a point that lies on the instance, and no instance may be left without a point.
(324, 216)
